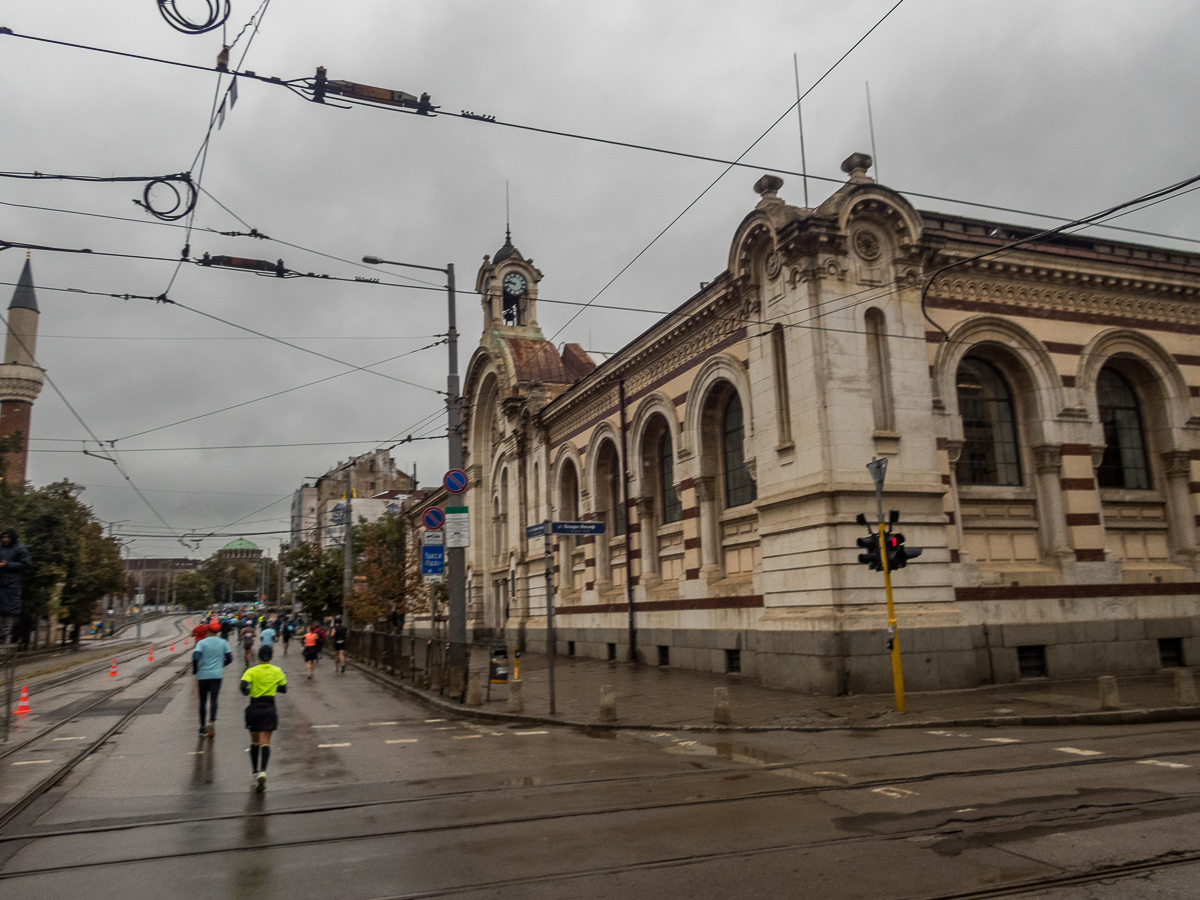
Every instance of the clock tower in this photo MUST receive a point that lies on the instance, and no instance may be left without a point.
(507, 286)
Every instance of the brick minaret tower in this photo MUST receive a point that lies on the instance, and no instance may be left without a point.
(20, 377)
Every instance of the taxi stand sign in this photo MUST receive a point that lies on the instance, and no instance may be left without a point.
(433, 557)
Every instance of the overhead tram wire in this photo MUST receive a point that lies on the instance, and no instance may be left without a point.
(294, 85)
(107, 446)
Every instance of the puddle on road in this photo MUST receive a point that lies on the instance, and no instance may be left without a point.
(527, 781)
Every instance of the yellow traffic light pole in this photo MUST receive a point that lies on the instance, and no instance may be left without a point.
(893, 637)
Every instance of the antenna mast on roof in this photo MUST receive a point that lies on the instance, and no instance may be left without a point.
(871, 122)
(800, 119)
(507, 215)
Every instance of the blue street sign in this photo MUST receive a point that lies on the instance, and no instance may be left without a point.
(577, 528)
(434, 518)
(455, 481)
(535, 531)
(433, 560)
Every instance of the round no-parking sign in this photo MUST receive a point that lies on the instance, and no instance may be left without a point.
(434, 518)
(455, 481)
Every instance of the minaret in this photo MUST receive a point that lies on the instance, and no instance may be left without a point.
(20, 377)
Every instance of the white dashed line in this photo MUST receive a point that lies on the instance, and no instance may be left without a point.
(445, 727)
(383, 723)
(466, 737)
(70, 739)
(346, 744)
(1002, 740)
(1163, 763)
(326, 726)
(435, 720)
(1078, 752)
(32, 762)
(402, 741)
(531, 732)
(894, 793)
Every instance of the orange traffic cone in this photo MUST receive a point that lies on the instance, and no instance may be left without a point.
(171, 649)
(112, 673)
(151, 659)
(23, 707)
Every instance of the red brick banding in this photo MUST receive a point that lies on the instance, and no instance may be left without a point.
(1077, 591)
(1089, 556)
(1083, 519)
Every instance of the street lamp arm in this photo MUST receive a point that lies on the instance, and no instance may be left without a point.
(376, 261)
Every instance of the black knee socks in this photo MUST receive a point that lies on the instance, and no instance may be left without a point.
(254, 757)
(265, 750)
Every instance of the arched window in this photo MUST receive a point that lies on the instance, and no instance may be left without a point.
(672, 507)
(615, 500)
(989, 453)
(1124, 464)
(879, 371)
(740, 488)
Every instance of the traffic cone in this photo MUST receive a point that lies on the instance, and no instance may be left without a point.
(171, 649)
(23, 707)
(112, 673)
(151, 659)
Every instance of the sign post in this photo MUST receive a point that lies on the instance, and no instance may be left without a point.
(878, 470)
(545, 529)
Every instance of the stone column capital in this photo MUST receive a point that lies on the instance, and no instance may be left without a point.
(954, 451)
(1176, 463)
(1047, 458)
(706, 486)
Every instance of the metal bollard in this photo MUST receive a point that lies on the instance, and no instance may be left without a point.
(721, 712)
(608, 703)
(474, 691)
(516, 698)
(1185, 687)
(1109, 697)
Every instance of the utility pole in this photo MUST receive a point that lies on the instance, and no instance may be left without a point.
(348, 549)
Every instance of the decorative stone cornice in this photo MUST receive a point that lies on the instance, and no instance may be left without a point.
(1047, 459)
(706, 488)
(18, 382)
(1176, 463)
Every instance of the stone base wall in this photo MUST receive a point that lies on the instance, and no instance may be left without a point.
(858, 662)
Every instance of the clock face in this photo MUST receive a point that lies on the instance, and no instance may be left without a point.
(514, 284)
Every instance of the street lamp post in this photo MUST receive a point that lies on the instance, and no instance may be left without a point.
(456, 562)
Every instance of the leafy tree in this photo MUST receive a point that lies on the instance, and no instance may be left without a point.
(227, 576)
(193, 591)
(95, 571)
(318, 576)
(392, 571)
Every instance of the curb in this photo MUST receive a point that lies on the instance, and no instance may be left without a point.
(1112, 717)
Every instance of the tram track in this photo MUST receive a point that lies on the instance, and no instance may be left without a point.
(65, 769)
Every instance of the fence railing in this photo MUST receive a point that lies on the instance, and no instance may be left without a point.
(424, 661)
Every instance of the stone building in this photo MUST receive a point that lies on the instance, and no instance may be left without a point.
(1037, 406)
(318, 509)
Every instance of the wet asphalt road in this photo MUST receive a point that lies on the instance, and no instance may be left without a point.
(371, 795)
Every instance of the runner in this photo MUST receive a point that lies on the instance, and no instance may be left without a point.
(267, 638)
(339, 645)
(209, 659)
(247, 644)
(285, 633)
(260, 683)
(321, 634)
(310, 649)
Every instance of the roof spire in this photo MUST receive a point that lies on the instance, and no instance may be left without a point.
(23, 297)
(507, 216)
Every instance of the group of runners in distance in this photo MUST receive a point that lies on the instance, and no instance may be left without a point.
(260, 682)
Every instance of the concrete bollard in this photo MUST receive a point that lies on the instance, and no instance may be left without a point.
(516, 697)
(474, 691)
(721, 712)
(1185, 687)
(608, 703)
(1109, 697)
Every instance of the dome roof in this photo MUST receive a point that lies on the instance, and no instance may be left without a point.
(240, 544)
(508, 251)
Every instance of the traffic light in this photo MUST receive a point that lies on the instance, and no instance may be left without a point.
(870, 543)
(897, 554)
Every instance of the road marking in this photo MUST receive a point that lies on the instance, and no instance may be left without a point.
(835, 774)
(445, 728)
(966, 809)
(70, 739)
(662, 734)
(435, 720)
(1003, 740)
(346, 744)
(196, 753)
(894, 793)
(466, 737)
(1163, 763)
(326, 726)
(402, 741)
(948, 733)
(32, 762)
(531, 732)
(383, 723)
(1078, 752)
(687, 743)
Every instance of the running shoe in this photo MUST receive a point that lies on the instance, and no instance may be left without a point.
(203, 731)
(260, 782)
(210, 730)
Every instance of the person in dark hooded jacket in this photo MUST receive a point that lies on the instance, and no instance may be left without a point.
(14, 560)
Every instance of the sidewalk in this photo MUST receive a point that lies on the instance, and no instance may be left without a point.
(663, 698)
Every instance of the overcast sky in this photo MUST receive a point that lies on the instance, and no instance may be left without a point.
(1062, 108)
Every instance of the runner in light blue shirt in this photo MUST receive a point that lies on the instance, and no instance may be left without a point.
(267, 638)
(209, 660)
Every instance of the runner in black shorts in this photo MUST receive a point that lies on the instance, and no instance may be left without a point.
(260, 683)
(340, 632)
(285, 634)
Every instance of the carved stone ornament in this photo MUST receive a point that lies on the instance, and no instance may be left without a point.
(1177, 464)
(954, 451)
(1097, 455)
(1047, 459)
(867, 244)
(774, 264)
(645, 508)
(706, 488)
